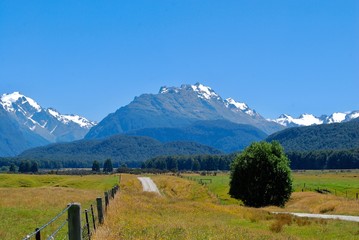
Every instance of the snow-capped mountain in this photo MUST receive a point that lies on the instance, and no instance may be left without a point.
(206, 93)
(47, 123)
(310, 119)
(179, 107)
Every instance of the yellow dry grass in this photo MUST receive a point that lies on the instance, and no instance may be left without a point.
(186, 210)
(22, 209)
(312, 202)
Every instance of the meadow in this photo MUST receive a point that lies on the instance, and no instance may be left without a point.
(188, 210)
(30, 201)
(339, 196)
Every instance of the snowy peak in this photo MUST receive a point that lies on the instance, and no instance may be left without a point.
(66, 119)
(337, 117)
(310, 119)
(47, 123)
(238, 106)
(201, 90)
(18, 103)
(303, 120)
(241, 106)
(10, 101)
(208, 94)
(204, 92)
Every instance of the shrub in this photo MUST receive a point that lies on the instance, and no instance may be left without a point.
(260, 175)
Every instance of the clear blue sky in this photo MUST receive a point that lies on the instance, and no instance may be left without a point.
(92, 57)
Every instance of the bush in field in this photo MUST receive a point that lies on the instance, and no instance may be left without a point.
(96, 166)
(107, 166)
(260, 175)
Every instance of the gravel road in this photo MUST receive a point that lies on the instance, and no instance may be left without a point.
(324, 216)
(148, 185)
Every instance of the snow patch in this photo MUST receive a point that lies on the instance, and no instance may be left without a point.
(354, 115)
(66, 119)
(9, 99)
(231, 101)
(204, 91)
(337, 117)
(303, 120)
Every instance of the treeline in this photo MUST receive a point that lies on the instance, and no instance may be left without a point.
(190, 163)
(48, 164)
(325, 159)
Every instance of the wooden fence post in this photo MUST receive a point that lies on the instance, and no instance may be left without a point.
(38, 234)
(106, 201)
(74, 222)
(88, 224)
(93, 218)
(99, 210)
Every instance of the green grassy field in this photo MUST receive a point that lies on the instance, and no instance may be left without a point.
(188, 210)
(29, 201)
(308, 201)
(344, 184)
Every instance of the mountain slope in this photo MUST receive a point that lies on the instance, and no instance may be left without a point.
(118, 148)
(25, 124)
(178, 107)
(320, 137)
(220, 134)
(14, 138)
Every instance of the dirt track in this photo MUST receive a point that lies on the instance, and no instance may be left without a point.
(148, 185)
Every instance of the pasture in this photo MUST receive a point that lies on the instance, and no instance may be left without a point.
(29, 201)
(340, 197)
(188, 210)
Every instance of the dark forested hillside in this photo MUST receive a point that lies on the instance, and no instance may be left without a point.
(118, 148)
(320, 137)
(220, 134)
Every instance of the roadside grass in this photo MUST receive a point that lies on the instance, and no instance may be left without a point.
(187, 210)
(30, 201)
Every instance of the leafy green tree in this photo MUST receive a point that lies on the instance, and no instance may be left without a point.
(34, 167)
(95, 166)
(12, 168)
(261, 176)
(196, 165)
(107, 166)
(25, 166)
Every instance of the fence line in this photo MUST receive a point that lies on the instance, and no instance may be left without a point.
(76, 231)
(38, 230)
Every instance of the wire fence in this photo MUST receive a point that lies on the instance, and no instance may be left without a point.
(348, 193)
(68, 224)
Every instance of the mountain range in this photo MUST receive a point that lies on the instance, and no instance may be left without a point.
(187, 113)
(309, 119)
(25, 124)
